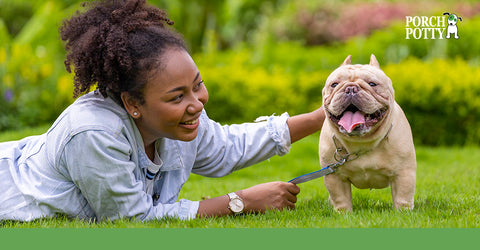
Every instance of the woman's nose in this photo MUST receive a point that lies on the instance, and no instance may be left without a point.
(197, 104)
(195, 107)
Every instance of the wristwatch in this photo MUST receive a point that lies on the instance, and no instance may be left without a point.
(236, 203)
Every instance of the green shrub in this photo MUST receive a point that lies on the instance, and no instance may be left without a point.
(35, 88)
(439, 97)
(240, 91)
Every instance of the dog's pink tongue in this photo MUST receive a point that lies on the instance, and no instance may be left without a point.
(350, 120)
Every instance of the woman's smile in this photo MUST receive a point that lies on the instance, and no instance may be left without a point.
(190, 125)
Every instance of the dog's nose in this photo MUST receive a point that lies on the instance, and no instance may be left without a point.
(351, 90)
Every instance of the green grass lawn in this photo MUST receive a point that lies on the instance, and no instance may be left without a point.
(447, 195)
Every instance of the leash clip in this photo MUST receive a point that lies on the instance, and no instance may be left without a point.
(337, 164)
(341, 154)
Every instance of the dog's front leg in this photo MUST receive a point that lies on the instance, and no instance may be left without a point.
(340, 192)
(403, 189)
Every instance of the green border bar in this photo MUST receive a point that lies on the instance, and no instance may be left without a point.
(244, 239)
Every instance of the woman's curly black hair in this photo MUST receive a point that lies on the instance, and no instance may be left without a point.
(115, 44)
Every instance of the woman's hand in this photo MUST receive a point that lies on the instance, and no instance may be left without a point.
(257, 199)
(271, 195)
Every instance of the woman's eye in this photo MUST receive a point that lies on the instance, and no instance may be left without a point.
(178, 97)
(372, 84)
(333, 85)
(198, 85)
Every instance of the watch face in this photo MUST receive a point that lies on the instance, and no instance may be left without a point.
(236, 205)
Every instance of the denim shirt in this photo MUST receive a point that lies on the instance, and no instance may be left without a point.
(91, 164)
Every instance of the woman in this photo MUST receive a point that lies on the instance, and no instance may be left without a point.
(125, 149)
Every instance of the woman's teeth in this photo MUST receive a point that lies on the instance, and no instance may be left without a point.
(190, 122)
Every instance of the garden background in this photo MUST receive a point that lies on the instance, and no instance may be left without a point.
(263, 57)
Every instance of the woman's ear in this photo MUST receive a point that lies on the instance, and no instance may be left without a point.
(131, 105)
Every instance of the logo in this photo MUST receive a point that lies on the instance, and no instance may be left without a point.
(433, 27)
(452, 25)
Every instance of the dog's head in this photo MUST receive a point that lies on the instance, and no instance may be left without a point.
(452, 18)
(357, 98)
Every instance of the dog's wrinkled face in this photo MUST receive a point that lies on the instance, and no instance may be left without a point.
(357, 98)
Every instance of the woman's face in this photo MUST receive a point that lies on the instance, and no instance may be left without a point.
(174, 99)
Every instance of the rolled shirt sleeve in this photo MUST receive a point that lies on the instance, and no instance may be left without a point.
(99, 164)
(227, 148)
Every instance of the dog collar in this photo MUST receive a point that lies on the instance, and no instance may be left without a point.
(341, 155)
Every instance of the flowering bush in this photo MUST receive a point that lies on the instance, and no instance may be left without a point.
(319, 22)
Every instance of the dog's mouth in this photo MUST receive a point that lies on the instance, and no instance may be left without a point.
(353, 121)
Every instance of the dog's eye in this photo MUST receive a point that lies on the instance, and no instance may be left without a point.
(372, 84)
(333, 85)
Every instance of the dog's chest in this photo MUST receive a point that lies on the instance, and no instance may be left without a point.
(367, 173)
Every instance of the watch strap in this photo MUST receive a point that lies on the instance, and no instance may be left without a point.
(233, 195)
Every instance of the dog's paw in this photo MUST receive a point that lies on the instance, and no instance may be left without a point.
(341, 207)
(404, 205)
(342, 210)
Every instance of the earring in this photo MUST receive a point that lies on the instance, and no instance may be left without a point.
(135, 113)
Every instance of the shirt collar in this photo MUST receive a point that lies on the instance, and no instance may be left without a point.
(170, 154)
(168, 150)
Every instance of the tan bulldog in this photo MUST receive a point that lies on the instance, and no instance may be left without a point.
(368, 131)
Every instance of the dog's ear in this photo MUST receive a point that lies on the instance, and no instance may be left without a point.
(446, 13)
(347, 61)
(373, 61)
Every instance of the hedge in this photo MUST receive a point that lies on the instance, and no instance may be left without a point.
(439, 97)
